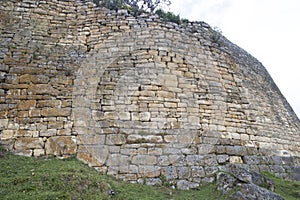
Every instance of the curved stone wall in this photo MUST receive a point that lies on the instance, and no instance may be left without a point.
(137, 97)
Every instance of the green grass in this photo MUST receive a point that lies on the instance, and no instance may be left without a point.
(52, 178)
(289, 190)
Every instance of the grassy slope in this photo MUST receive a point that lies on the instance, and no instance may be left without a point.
(289, 190)
(30, 178)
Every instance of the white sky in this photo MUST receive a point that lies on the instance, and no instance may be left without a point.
(267, 29)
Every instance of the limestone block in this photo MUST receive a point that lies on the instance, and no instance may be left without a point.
(26, 104)
(193, 120)
(252, 160)
(197, 172)
(184, 172)
(144, 139)
(48, 103)
(236, 150)
(170, 172)
(186, 185)
(93, 155)
(149, 171)
(7, 134)
(144, 160)
(153, 181)
(163, 160)
(55, 125)
(108, 115)
(245, 137)
(135, 116)
(118, 160)
(211, 170)
(146, 93)
(204, 149)
(193, 160)
(35, 113)
(165, 94)
(30, 78)
(48, 133)
(23, 152)
(171, 83)
(115, 139)
(124, 116)
(26, 133)
(91, 139)
(61, 145)
(22, 114)
(222, 159)
(170, 105)
(56, 112)
(236, 160)
(38, 152)
(155, 151)
(42, 89)
(29, 143)
(3, 123)
(144, 116)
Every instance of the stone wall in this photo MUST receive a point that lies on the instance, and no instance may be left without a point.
(137, 97)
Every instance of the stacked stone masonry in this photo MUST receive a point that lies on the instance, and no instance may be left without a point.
(137, 97)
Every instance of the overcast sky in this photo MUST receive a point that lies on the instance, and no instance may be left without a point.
(267, 29)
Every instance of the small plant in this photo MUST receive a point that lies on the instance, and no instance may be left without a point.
(168, 16)
(216, 35)
(135, 5)
(184, 20)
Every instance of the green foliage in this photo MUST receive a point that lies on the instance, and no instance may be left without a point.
(168, 16)
(216, 35)
(134, 5)
(113, 4)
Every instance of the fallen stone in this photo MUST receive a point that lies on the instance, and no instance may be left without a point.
(225, 182)
(254, 192)
(186, 185)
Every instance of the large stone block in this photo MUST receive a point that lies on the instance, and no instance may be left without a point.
(3, 123)
(7, 134)
(144, 160)
(149, 171)
(115, 139)
(45, 89)
(26, 104)
(94, 155)
(61, 145)
(29, 143)
(56, 112)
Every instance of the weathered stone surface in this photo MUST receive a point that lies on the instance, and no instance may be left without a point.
(115, 139)
(186, 185)
(44, 89)
(240, 173)
(61, 145)
(3, 123)
(225, 182)
(170, 172)
(252, 185)
(26, 105)
(235, 160)
(93, 155)
(7, 134)
(56, 112)
(29, 143)
(254, 192)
